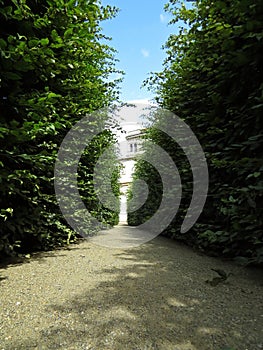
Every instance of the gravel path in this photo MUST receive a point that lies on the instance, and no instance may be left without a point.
(151, 297)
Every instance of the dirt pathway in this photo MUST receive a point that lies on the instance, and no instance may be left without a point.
(151, 297)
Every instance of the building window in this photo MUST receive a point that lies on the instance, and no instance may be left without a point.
(131, 147)
(135, 147)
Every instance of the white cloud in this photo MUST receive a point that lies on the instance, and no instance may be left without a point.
(163, 18)
(115, 76)
(145, 53)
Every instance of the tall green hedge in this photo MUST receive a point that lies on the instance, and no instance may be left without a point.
(54, 69)
(212, 79)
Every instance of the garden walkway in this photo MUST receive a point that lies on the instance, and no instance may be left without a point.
(151, 297)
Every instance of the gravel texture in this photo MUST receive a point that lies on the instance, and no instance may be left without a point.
(152, 297)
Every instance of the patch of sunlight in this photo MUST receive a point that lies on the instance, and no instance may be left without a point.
(133, 275)
(120, 312)
(142, 263)
(185, 346)
(207, 330)
(194, 302)
(236, 334)
(175, 302)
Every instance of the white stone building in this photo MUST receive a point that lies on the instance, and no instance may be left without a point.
(132, 120)
(129, 148)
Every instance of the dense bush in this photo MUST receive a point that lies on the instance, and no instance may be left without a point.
(212, 79)
(54, 66)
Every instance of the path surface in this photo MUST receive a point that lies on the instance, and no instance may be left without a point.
(122, 236)
(151, 297)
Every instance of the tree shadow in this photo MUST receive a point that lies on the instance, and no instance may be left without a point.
(40, 256)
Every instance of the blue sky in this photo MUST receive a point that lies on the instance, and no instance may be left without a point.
(138, 33)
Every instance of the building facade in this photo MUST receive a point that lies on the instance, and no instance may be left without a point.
(128, 150)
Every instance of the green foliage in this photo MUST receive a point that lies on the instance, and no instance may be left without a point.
(54, 65)
(212, 79)
(88, 161)
(147, 173)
